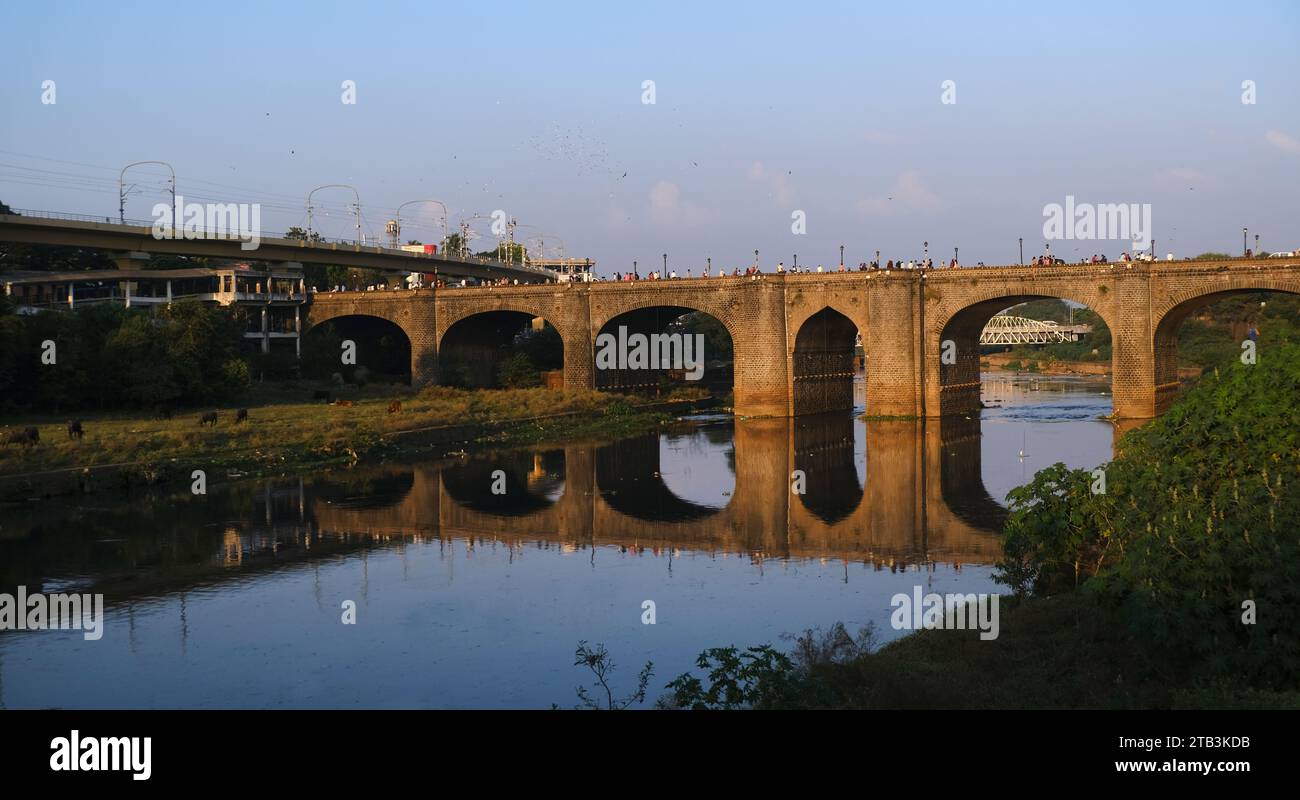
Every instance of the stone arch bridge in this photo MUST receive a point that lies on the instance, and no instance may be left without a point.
(793, 336)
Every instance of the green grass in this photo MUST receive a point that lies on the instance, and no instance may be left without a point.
(283, 432)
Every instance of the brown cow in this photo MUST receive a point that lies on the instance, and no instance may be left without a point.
(344, 403)
(241, 416)
(394, 406)
(74, 429)
(209, 418)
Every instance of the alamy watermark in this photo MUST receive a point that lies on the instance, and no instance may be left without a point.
(1124, 221)
(77, 753)
(242, 221)
(655, 351)
(946, 612)
(39, 612)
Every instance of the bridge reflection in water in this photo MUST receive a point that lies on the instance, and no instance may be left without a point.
(923, 501)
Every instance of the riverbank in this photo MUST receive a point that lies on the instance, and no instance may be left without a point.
(1019, 363)
(281, 436)
(1066, 651)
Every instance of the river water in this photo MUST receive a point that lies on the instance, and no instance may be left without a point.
(469, 598)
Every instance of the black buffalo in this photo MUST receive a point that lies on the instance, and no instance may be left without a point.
(27, 437)
(209, 418)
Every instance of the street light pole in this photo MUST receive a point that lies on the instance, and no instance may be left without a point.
(398, 219)
(665, 264)
(1257, 245)
(355, 194)
(121, 190)
(841, 255)
(1243, 242)
(1022, 251)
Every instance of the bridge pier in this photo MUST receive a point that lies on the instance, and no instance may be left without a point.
(891, 343)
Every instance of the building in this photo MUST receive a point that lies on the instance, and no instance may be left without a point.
(273, 296)
(570, 269)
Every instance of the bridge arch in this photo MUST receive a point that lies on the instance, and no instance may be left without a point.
(823, 362)
(380, 345)
(411, 312)
(1181, 305)
(513, 483)
(472, 346)
(650, 320)
(825, 454)
(953, 329)
(630, 481)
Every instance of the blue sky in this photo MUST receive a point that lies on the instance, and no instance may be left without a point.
(761, 109)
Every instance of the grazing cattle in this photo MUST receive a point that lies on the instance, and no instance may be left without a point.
(322, 394)
(74, 429)
(27, 437)
(241, 416)
(209, 418)
(394, 406)
(344, 403)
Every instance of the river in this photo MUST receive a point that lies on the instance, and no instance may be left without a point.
(469, 598)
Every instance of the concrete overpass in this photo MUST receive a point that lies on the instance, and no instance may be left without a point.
(793, 335)
(68, 230)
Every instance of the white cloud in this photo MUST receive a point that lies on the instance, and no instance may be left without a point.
(665, 197)
(668, 208)
(908, 193)
(779, 189)
(1287, 144)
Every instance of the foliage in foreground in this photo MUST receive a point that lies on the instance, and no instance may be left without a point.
(1199, 522)
(1131, 597)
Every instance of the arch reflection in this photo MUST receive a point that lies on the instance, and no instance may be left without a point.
(507, 484)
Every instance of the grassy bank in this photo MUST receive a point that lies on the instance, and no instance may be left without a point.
(283, 432)
(1172, 583)
(1060, 652)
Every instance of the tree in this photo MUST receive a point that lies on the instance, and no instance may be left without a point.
(598, 661)
(300, 233)
(456, 244)
(517, 372)
(511, 251)
(1195, 520)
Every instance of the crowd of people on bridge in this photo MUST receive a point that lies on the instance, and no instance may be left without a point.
(753, 272)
